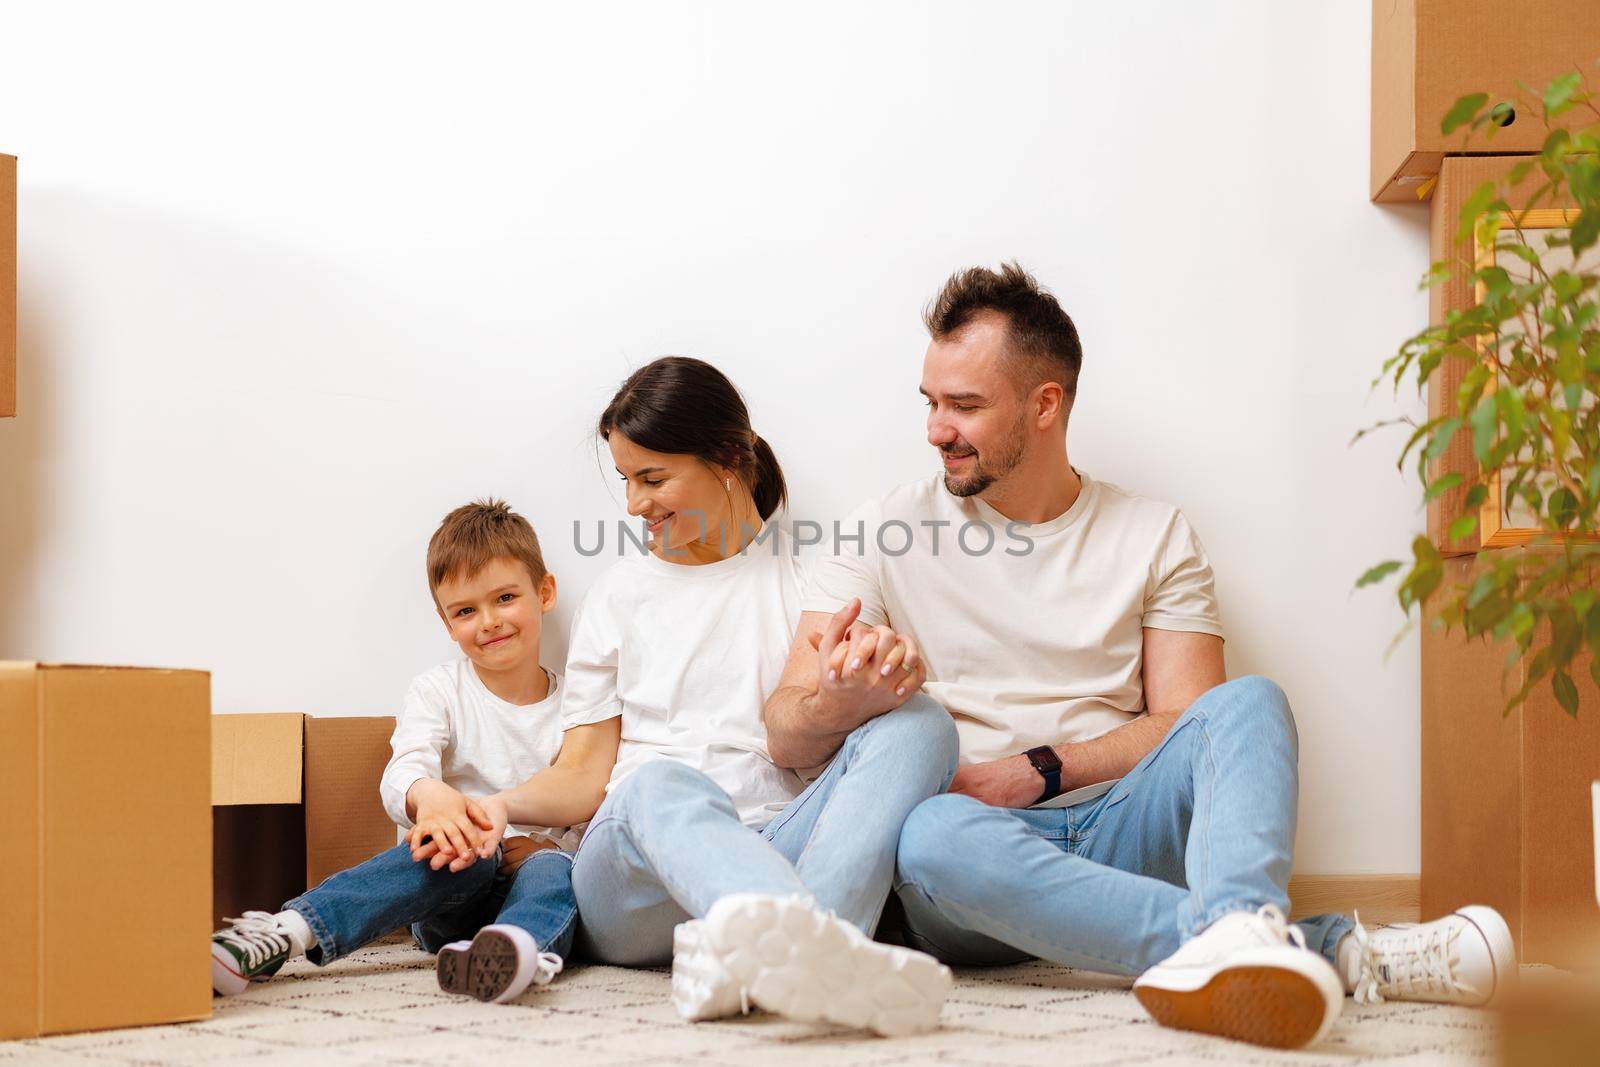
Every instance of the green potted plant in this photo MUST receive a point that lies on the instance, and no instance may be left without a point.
(1529, 400)
(1509, 461)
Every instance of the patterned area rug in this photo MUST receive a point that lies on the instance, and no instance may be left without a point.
(382, 1006)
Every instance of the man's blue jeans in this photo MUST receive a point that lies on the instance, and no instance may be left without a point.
(1203, 826)
(667, 843)
(357, 906)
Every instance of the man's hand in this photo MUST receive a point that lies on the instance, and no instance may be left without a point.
(444, 831)
(1006, 783)
(864, 671)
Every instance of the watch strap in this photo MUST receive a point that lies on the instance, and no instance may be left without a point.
(1048, 764)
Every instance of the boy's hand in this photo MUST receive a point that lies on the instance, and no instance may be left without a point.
(490, 816)
(443, 832)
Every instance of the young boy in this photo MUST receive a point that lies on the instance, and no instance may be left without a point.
(469, 728)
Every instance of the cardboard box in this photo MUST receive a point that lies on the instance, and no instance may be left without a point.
(8, 286)
(106, 894)
(295, 799)
(1506, 799)
(1428, 53)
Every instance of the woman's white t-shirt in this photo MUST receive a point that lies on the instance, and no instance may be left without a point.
(687, 656)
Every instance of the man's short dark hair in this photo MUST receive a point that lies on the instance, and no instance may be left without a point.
(1041, 336)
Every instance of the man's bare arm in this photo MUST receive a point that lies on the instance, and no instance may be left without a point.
(1178, 669)
(839, 675)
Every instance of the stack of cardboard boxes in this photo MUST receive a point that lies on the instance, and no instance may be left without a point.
(1505, 798)
(144, 820)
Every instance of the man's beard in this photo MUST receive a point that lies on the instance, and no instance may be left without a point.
(985, 472)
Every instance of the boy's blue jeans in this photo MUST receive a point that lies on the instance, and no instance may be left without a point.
(360, 905)
(1203, 826)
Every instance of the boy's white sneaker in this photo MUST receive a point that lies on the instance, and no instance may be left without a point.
(1466, 957)
(1247, 976)
(789, 957)
(496, 965)
(250, 949)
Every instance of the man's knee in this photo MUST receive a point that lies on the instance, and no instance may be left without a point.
(921, 730)
(1254, 702)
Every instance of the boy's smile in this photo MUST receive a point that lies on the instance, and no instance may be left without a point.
(495, 617)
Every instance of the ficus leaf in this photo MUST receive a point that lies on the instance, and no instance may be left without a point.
(1462, 112)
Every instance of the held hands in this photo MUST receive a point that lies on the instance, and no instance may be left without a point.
(1005, 783)
(453, 830)
(864, 671)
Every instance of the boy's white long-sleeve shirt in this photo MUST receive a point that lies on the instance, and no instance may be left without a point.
(454, 729)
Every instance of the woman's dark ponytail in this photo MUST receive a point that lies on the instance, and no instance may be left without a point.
(685, 406)
(768, 486)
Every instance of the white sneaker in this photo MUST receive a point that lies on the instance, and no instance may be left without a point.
(789, 957)
(249, 949)
(1247, 976)
(702, 988)
(1464, 958)
(496, 965)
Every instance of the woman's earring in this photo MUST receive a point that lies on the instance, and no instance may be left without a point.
(728, 482)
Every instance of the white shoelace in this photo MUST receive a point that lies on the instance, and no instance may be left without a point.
(256, 934)
(1279, 927)
(546, 967)
(1412, 960)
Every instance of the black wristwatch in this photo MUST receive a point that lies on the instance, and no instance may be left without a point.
(1048, 764)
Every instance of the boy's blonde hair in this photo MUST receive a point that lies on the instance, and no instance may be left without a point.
(476, 533)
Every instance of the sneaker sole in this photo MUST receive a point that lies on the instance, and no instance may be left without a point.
(1502, 948)
(225, 977)
(1264, 1005)
(701, 988)
(805, 965)
(487, 969)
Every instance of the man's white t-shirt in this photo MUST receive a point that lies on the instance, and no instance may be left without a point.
(687, 656)
(453, 728)
(1024, 649)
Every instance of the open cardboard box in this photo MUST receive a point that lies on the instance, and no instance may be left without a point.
(295, 799)
(106, 893)
(1427, 53)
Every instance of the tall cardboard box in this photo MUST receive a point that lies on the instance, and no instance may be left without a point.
(1506, 799)
(295, 799)
(1428, 53)
(106, 892)
(8, 286)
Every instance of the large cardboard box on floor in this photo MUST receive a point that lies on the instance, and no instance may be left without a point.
(1507, 799)
(1428, 53)
(106, 886)
(295, 799)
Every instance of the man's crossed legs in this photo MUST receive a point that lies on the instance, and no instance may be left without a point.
(1180, 875)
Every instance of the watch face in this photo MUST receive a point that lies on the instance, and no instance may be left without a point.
(1045, 759)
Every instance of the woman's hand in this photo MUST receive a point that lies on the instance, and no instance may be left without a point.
(865, 670)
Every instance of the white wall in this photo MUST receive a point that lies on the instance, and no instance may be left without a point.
(294, 284)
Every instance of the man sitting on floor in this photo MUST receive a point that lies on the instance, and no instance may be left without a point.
(1071, 628)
